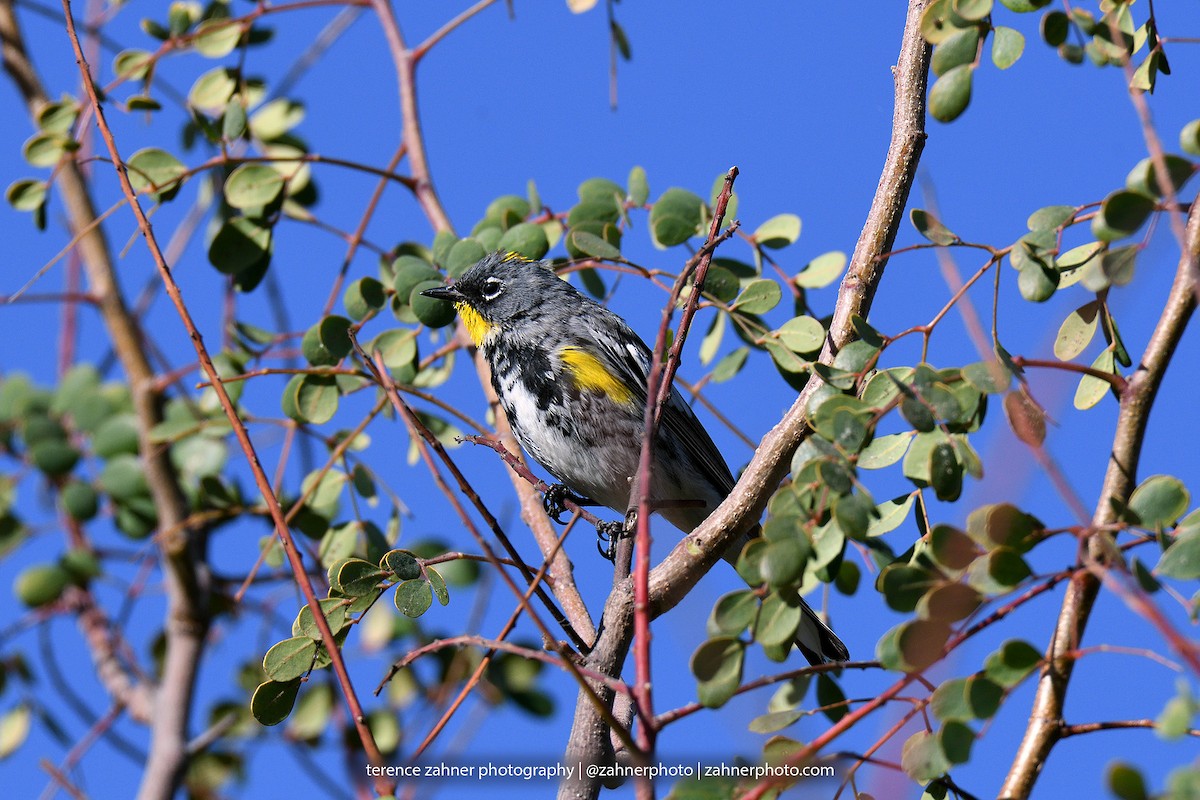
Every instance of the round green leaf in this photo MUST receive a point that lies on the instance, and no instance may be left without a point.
(289, 659)
(80, 500)
(951, 93)
(1055, 28)
(212, 90)
(957, 49)
(1024, 6)
(717, 665)
(273, 700)
(1159, 500)
(429, 310)
(1009, 665)
(462, 256)
(132, 65)
(408, 272)
(398, 348)
(956, 739)
(362, 297)
(1126, 782)
(155, 172)
(413, 598)
(54, 457)
(26, 194)
(1182, 559)
(239, 245)
(931, 227)
(316, 399)
(760, 296)
(779, 231)
(922, 757)
(778, 619)
(327, 342)
(1189, 138)
(1007, 47)
(40, 584)
(124, 478)
(676, 217)
(216, 38)
(639, 189)
(592, 245)
(1076, 331)
(526, 238)
(733, 613)
(252, 186)
(1121, 214)
(822, 270)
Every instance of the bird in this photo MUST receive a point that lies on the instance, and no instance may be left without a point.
(571, 377)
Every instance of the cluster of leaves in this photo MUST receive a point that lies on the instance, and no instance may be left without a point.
(959, 30)
(228, 110)
(82, 437)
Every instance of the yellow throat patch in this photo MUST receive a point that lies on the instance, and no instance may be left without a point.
(590, 374)
(478, 327)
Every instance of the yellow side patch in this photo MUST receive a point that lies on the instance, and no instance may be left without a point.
(478, 327)
(590, 374)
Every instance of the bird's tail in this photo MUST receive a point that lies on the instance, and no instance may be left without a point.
(816, 641)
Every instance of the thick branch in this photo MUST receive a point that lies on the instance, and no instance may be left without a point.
(679, 572)
(1046, 716)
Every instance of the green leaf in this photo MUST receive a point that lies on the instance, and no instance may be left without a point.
(717, 665)
(334, 610)
(759, 296)
(1091, 390)
(355, 577)
(778, 619)
(1024, 6)
(14, 729)
(132, 65)
(822, 270)
(592, 245)
(462, 256)
(1175, 720)
(272, 120)
(891, 515)
(1143, 178)
(240, 245)
(155, 172)
(931, 228)
(778, 232)
(883, 451)
(402, 564)
(1159, 500)
(413, 598)
(922, 758)
(957, 49)
(1076, 331)
(528, 239)
(951, 93)
(1054, 28)
(1050, 218)
(956, 739)
(639, 189)
(40, 584)
(1189, 138)
(949, 701)
(362, 297)
(233, 124)
(800, 334)
(1121, 215)
(945, 473)
(997, 572)
(1007, 47)
(273, 701)
(26, 194)
(316, 399)
(80, 500)
(733, 613)
(438, 585)
(212, 90)
(429, 310)
(289, 659)
(327, 342)
(1182, 559)
(1126, 782)
(676, 217)
(1037, 282)
(216, 38)
(252, 186)
(990, 377)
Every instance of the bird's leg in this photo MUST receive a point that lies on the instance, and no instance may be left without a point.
(555, 499)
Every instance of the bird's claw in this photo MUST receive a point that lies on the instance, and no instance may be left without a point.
(554, 501)
(608, 534)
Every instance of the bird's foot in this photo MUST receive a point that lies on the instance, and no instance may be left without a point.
(555, 499)
(608, 534)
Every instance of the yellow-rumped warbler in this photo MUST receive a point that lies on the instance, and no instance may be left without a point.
(571, 377)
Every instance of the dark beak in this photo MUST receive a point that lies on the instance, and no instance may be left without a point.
(447, 293)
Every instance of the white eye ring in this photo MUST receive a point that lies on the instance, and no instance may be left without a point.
(492, 288)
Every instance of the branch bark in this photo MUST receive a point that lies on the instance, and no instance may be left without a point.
(672, 579)
(1046, 716)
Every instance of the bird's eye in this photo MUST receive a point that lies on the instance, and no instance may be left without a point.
(492, 288)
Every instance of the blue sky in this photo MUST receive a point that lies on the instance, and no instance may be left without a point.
(799, 97)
